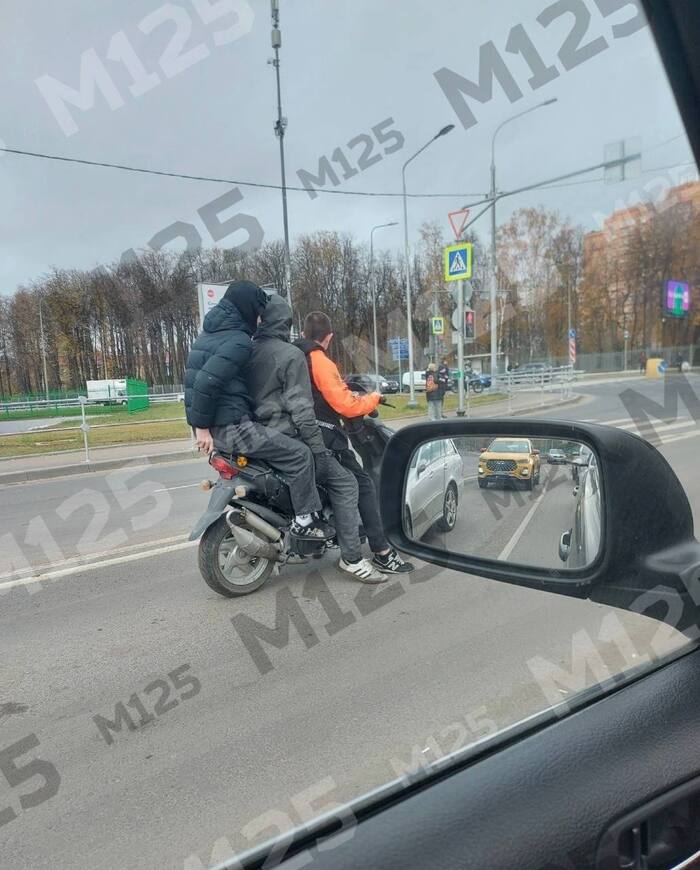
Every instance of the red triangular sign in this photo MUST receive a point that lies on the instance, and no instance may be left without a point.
(458, 220)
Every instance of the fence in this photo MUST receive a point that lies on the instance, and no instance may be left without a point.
(557, 379)
(614, 361)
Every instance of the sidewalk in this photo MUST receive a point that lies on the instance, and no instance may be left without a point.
(45, 466)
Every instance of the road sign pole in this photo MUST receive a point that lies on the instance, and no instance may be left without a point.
(460, 348)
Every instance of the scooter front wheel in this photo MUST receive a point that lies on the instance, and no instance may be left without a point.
(225, 567)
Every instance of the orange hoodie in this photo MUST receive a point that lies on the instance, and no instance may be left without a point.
(335, 391)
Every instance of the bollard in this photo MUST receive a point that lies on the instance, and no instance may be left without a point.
(85, 426)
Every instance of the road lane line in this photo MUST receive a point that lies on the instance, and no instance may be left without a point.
(510, 546)
(94, 557)
(105, 563)
(682, 437)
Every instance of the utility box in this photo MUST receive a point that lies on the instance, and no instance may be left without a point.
(137, 395)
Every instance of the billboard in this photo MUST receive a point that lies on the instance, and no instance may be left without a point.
(676, 298)
(209, 295)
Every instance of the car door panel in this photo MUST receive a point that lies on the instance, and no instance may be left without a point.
(543, 801)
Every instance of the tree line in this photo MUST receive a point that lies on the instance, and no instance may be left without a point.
(138, 317)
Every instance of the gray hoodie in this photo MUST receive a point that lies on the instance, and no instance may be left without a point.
(278, 379)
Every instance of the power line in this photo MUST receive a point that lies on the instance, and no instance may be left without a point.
(124, 168)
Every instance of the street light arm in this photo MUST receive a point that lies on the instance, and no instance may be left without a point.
(514, 118)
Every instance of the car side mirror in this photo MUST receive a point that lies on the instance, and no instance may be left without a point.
(422, 465)
(612, 543)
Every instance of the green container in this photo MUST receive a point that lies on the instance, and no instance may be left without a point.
(137, 395)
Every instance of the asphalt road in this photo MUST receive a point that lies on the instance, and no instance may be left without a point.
(368, 683)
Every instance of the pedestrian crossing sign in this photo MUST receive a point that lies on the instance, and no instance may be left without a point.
(458, 261)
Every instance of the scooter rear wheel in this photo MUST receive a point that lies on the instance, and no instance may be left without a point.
(226, 568)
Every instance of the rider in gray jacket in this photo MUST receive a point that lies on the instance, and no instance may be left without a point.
(280, 390)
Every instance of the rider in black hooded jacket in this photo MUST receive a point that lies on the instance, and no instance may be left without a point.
(218, 407)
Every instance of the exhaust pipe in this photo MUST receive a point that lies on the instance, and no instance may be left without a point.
(266, 529)
(254, 546)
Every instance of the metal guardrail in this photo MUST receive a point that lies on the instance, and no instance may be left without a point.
(549, 380)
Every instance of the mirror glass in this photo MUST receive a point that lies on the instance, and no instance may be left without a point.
(530, 501)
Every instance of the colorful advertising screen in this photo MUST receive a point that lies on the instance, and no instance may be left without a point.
(677, 298)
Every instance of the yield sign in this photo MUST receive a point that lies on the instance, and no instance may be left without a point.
(458, 220)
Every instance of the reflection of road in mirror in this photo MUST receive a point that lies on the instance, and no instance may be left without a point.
(529, 501)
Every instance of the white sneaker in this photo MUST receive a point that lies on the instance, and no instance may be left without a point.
(363, 571)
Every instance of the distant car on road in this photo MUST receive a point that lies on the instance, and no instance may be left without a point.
(372, 383)
(556, 457)
(511, 462)
(433, 487)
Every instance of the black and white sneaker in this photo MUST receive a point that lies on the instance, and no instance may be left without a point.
(392, 563)
(363, 571)
(317, 530)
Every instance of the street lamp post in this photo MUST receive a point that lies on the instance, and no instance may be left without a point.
(494, 253)
(373, 285)
(280, 127)
(43, 347)
(409, 317)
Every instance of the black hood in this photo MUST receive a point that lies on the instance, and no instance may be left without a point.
(249, 299)
(276, 319)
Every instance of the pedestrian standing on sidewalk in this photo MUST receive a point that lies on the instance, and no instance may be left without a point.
(642, 362)
(433, 393)
(443, 376)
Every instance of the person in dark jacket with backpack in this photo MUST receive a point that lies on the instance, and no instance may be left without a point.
(218, 406)
(280, 389)
(434, 393)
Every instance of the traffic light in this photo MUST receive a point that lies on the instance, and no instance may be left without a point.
(469, 324)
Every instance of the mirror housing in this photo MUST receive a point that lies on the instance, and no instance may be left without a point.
(647, 546)
(421, 467)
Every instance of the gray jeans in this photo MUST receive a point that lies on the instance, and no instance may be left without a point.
(341, 486)
(290, 457)
(435, 409)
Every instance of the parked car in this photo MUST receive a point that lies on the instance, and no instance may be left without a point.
(418, 382)
(372, 383)
(578, 546)
(433, 488)
(510, 461)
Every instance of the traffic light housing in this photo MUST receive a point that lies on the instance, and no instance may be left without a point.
(469, 325)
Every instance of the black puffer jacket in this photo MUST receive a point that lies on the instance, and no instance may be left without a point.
(216, 391)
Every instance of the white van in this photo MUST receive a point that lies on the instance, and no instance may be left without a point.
(418, 382)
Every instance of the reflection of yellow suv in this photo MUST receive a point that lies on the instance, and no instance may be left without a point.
(509, 461)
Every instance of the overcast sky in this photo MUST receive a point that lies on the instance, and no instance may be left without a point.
(346, 66)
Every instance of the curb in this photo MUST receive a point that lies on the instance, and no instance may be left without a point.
(573, 401)
(33, 474)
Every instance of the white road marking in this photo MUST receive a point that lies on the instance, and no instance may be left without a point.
(105, 563)
(93, 557)
(511, 545)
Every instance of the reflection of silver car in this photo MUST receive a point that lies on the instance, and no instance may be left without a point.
(433, 486)
(579, 546)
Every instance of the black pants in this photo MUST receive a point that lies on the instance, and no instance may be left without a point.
(287, 455)
(367, 501)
